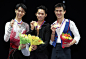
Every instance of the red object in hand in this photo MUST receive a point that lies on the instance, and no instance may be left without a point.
(64, 40)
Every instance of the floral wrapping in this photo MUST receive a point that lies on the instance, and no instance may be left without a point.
(33, 40)
(23, 40)
(66, 38)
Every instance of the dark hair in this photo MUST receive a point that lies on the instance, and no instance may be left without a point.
(61, 5)
(42, 7)
(21, 5)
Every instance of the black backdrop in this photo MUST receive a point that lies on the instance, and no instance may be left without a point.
(76, 11)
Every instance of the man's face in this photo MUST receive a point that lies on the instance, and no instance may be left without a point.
(59, 12)
(20, 12)
(41, 14)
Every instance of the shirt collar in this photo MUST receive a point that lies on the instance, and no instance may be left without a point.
(18, 22)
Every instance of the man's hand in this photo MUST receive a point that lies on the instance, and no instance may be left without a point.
(67, 45)
(53, 33)
(34, 47)
(32, 25)
(11, 23)
(22, 46)
(52, 28)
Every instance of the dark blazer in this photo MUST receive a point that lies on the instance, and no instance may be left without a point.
(44, 34)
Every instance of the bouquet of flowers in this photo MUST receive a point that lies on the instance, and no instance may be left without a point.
(66, 38)
(35, 40)
(23, 40)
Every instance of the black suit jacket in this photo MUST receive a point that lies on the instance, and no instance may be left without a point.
(44, 34)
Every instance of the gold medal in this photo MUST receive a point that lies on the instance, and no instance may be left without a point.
(35, 24)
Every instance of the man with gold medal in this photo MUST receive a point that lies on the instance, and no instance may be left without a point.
(41, 29)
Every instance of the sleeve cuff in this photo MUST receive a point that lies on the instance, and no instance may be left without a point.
(51, 42)
(77, 40)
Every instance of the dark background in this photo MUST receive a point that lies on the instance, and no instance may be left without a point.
(76, 11)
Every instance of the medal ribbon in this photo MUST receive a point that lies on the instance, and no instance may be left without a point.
(17, 21)
(61, 24)
(41, 24)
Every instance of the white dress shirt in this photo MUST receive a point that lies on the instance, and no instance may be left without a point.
(73, 29)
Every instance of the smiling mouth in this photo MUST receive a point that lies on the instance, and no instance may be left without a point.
(58, 15)
(40, 17)
(19, 15)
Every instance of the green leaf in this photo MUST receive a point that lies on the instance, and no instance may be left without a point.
(68, 33)
(62, 33)
(19, 48)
